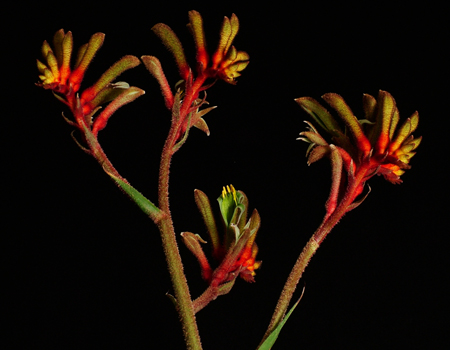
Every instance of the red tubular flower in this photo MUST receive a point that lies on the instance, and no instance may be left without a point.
(376, 143)
(227, 61)
(373, 145)
(64, 81)
(236, 250)
(226, 64)
(57, 74)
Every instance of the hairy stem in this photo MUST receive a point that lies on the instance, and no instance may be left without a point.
(311, 247)
(97, 152)
(173, 258)
(210, 294)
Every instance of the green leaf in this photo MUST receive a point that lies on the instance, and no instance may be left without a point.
(143, 203)
(270, 340)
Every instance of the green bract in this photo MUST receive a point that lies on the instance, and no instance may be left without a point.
(232, 205)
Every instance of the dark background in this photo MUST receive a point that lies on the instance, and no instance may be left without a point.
(85, 267)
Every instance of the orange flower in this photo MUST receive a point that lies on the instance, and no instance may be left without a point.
(363, 148)
(226, 62)
(58, 76)
(374, 144)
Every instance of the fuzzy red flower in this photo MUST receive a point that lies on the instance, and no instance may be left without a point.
(365, 147)
(65, 81)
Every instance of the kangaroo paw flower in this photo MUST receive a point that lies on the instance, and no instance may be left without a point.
(58, 75)
(235, 251)
(226, 64)
(375, 144)
(361, 148)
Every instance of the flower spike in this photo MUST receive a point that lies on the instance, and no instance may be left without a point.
(373, 149)
(58, 76)
(226, 63)
(237, 251)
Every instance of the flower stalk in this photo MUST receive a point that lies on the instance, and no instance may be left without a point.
(375, 146)
(65, 82)
(359, 149)
(171, 251)
(185, 106)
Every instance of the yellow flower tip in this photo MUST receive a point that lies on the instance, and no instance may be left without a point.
(234, 193)
(224, 192)
(256, 265)
(230, 68)
(45, 48)
(41, 67)
(229, 189)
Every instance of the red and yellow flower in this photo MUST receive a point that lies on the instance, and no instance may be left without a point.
(65, 81)
(235, 250)
(363, 148)
(226, 63)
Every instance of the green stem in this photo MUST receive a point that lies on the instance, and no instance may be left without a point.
(173, 258)
(311, 247)
(97, 152)
(165, 225)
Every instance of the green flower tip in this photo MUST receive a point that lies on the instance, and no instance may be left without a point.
(228, 203)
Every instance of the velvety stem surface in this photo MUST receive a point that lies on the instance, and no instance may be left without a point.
(310, 248)
(97, 152)
(175, 265)
(210, 294)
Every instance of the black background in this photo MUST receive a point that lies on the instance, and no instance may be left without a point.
(85, 267)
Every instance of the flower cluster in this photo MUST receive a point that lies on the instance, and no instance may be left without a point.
(58, 75)
(365, 147)
(236, 250)
(226, 63)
